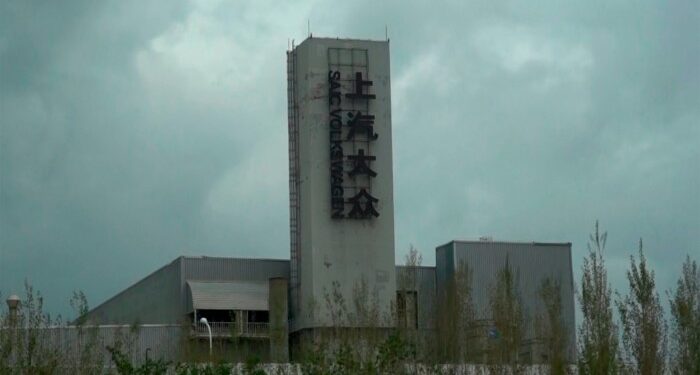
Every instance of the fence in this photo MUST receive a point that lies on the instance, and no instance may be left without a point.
(232, 329)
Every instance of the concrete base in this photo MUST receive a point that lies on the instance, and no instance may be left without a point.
(279, 318)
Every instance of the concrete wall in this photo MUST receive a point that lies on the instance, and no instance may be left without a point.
(345, 251)
(156, 299)
(421, 280)
(444, 265)
(279, 318)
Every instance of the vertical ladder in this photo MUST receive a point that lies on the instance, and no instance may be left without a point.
(294, 230)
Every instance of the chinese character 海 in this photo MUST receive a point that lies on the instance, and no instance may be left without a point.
(360, 123)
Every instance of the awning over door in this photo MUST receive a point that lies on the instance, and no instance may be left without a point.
(228, 295)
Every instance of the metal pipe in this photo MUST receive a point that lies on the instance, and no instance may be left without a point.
(206, 323)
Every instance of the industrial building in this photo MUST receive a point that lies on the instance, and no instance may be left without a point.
(341, 233)
(247, 298)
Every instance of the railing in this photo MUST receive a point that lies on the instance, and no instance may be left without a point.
(230, 329)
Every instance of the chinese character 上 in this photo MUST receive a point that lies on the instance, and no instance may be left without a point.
(359, 85)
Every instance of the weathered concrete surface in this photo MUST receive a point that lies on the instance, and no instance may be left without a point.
(347, 252)
(279, 318)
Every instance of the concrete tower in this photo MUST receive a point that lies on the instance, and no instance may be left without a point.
(341, 180)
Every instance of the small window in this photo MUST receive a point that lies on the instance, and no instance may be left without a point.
(258, 316)
(217, 316)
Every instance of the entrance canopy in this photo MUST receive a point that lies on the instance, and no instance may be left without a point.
(228, 295)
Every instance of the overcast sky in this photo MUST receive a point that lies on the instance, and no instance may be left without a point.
(134, 132)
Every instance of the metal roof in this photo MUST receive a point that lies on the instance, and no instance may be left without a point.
(226, 269)
(228, 295)
(501, 242)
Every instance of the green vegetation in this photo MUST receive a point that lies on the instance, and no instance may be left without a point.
(685, 321)
(508, 319)
(124, 366)
(598, 333)
(551, 327)
(643, 324)
(456, 338)
(31, 342)
(23, 342)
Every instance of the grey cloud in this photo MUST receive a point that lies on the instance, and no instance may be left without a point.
(134, 133)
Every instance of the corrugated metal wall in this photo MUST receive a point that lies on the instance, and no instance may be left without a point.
(226, 269)
(161, 341)
(532, 262)
(222, 269)
(161, 297)
(154, 299)
(444, 257)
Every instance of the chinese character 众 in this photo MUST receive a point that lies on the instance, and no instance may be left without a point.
(360, 199)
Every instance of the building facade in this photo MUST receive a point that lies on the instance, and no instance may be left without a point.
(248, 299)
(531, 263)
(341, 178)
(341, 234)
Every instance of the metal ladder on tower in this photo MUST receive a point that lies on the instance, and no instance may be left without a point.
(294, 230)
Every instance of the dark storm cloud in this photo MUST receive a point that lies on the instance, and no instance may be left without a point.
(133, 133)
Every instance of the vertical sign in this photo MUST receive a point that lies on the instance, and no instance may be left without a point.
(351, 134)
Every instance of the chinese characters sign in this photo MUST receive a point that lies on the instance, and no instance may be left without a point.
(351, 130)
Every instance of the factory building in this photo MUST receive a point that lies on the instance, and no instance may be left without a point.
(248, 299)
(341, 233)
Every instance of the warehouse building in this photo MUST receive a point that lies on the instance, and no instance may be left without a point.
(531, 264)
(247, 299)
